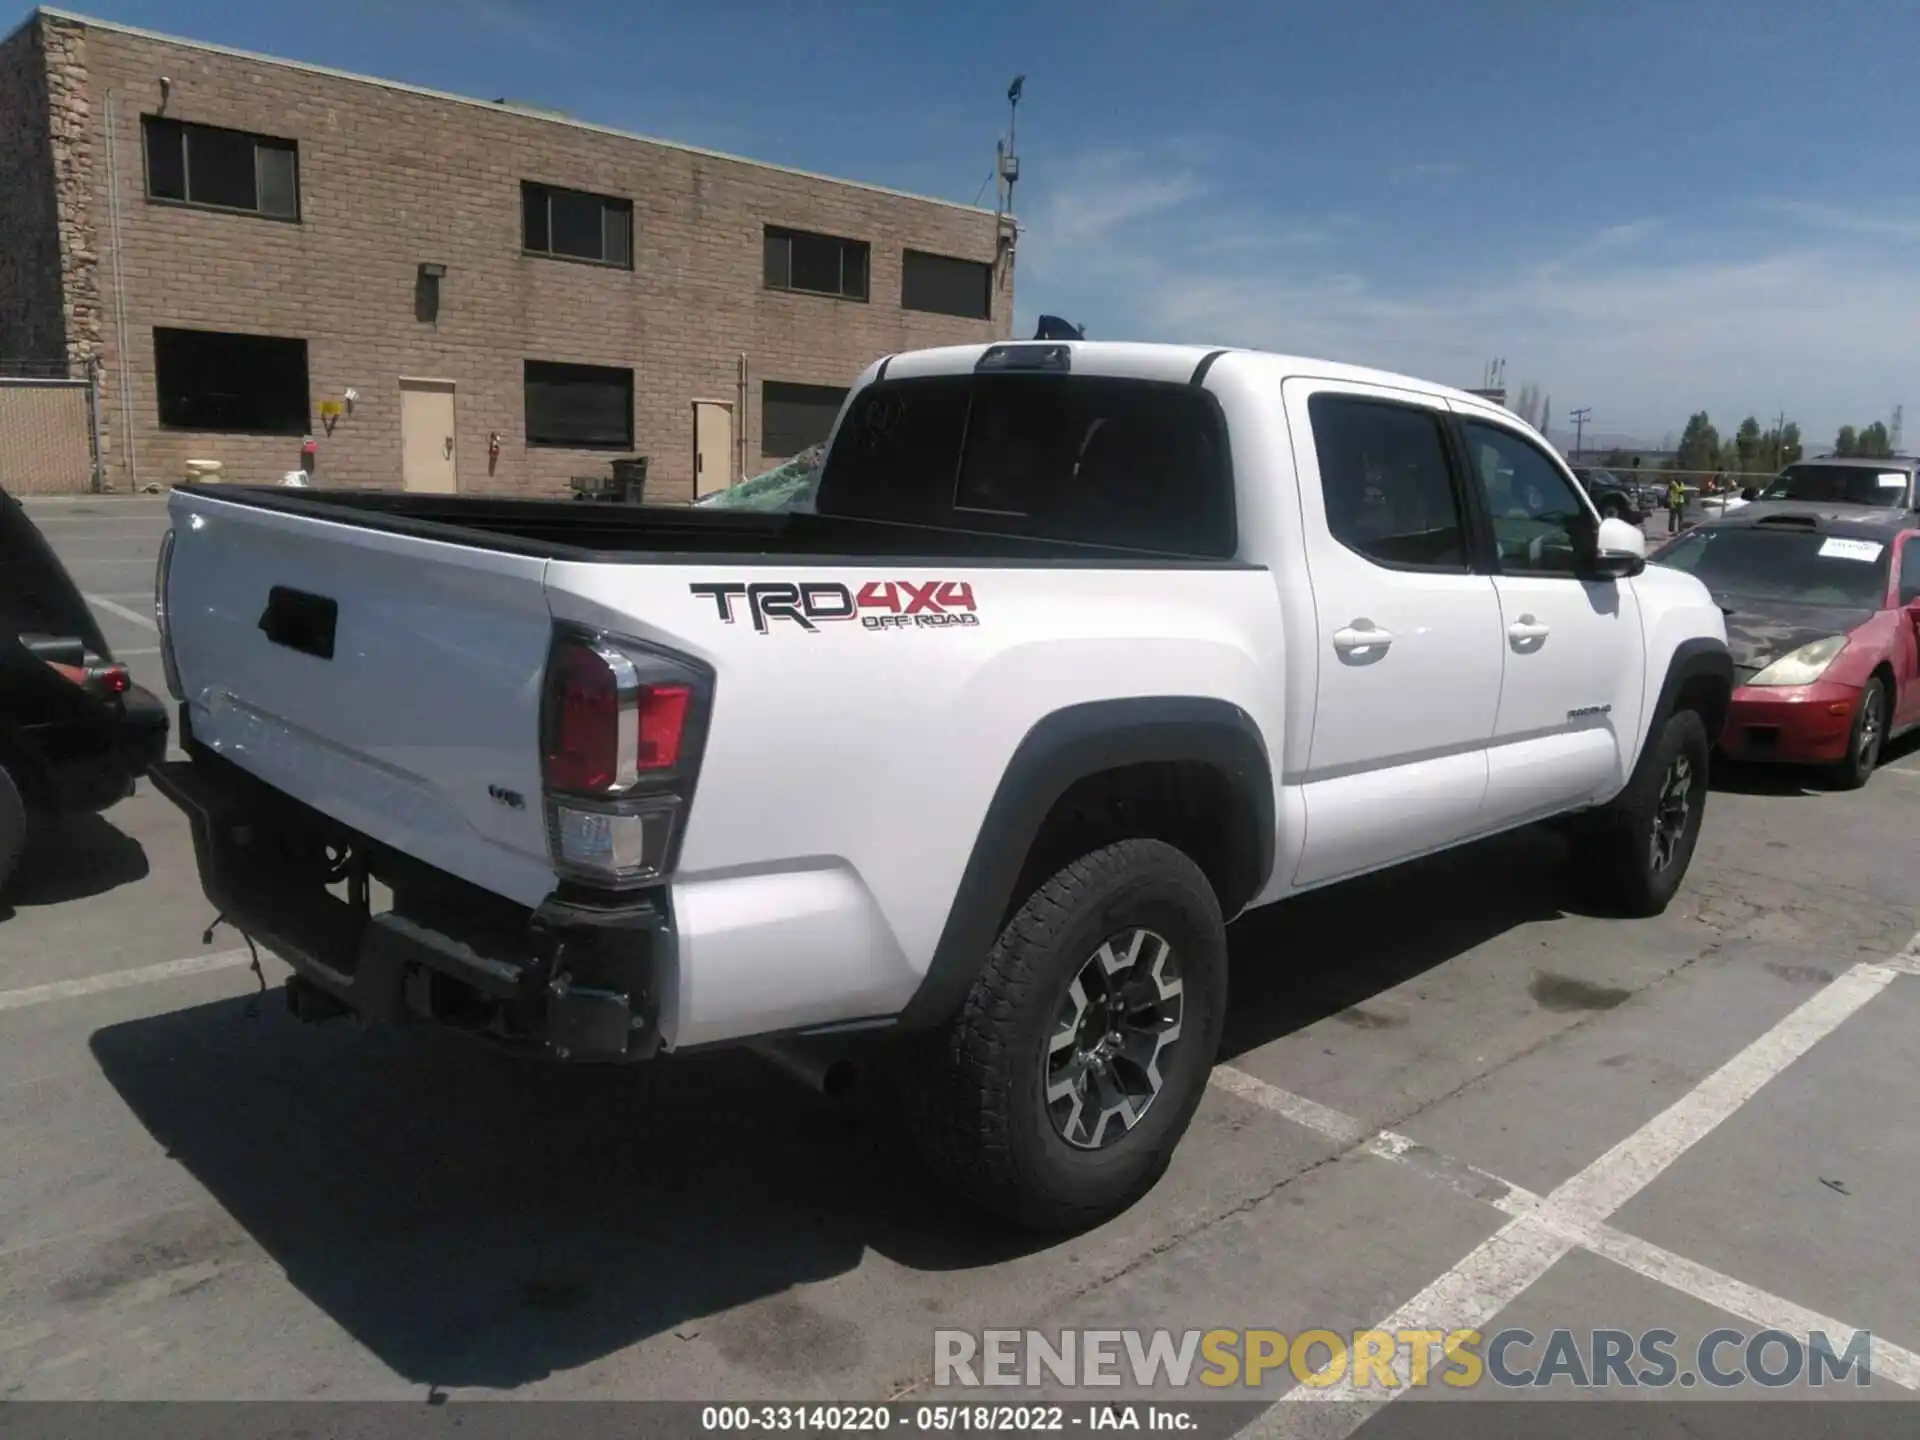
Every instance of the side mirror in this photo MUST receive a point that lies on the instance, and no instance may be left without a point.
(1750, 493)
(1619, 552)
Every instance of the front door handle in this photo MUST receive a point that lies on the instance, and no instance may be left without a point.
(1526, 628)
(1361, 635)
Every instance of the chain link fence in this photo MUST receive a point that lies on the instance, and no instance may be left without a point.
(49, 427)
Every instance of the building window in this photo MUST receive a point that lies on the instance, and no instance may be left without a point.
(816, 264)
(584, 407)
(574, 225)
(792, 417)
(226, 169)
(239, 384)
(941, 285)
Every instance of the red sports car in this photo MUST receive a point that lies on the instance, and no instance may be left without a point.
(1823, 616)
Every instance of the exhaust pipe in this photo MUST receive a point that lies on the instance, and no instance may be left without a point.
(830, 1075)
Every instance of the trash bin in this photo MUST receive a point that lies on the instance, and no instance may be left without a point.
(630, 480)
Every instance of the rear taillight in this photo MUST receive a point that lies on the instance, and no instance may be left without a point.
(108, 679)
(161, 571)
(620, 728)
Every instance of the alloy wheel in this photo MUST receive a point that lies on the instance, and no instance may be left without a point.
(1111, 1029)
(1870, 728)
(1671, 811)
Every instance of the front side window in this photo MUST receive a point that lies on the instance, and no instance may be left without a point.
(1386, 483)
(1910, 570)
(239, 384)
(226, 169)
(1537, 518)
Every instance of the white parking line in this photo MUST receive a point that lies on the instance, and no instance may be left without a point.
(1629, 1167)
(1543, 1231)
(121, 979)
(114, 607)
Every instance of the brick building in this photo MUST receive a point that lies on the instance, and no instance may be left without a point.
(256, 250)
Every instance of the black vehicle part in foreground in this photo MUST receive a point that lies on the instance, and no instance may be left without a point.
(75, 732)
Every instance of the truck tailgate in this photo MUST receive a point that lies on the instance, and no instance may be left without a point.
(390, 681)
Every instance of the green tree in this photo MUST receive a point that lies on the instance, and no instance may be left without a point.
(1746, 443)
(1790, 446)
(1875, 443)
(1847, 442)
(1699, 444)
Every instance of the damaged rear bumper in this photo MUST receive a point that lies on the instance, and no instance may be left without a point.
(574, 978)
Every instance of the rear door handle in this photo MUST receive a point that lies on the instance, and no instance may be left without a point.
(1526, 628)
(1361, 635)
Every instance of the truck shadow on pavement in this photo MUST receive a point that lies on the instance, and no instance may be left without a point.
(1329, 951)
(478, 1221)
(85, 856)
(474, 1220)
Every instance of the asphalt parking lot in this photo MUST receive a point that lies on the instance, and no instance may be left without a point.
(1447, 1097)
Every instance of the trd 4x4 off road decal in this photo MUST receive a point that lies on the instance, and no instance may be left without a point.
(880, 604)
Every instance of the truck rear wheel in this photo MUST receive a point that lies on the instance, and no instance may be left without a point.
(1631, 855)
(1055, 1098)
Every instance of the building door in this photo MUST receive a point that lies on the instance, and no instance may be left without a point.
(712, 447)
(427, 460)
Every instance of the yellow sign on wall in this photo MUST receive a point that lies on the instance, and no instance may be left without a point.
(331, 409)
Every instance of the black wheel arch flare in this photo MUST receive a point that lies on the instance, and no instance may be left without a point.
(1701, 662)
(1062, 749)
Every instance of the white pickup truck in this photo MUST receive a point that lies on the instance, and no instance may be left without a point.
(1082, 650)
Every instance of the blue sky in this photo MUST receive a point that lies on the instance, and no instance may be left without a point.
(1646, 208)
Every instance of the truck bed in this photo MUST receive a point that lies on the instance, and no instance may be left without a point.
(660, 534)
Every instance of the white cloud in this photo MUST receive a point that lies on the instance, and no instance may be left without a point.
(1813, 315)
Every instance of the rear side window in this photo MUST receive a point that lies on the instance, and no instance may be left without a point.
(1387, 484)
(1135, 464)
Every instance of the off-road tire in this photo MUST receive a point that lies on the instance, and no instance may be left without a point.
(14, 827)
(1613, 847)
(1854, 771)
(977, 1102)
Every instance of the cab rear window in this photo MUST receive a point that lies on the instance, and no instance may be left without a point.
(1135, 464)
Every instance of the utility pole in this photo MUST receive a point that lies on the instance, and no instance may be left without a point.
(1899, 414)
(1579, 426)
(1006, 171)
